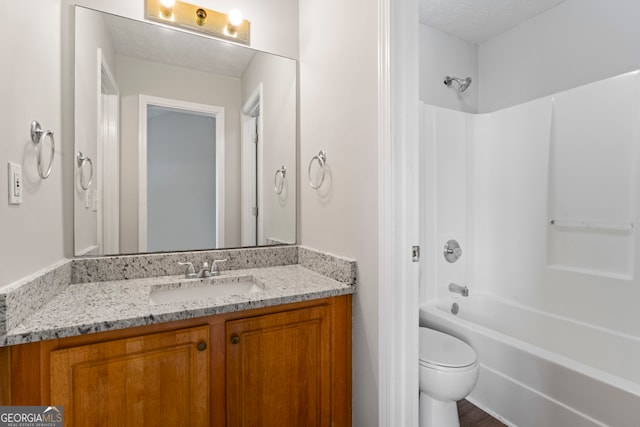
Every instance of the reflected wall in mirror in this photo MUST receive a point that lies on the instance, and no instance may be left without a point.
(186, 135)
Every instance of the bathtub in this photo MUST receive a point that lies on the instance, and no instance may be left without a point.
(538, 369)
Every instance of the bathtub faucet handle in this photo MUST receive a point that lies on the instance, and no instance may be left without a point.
(457, 252)
(452, 251)
(458, 289)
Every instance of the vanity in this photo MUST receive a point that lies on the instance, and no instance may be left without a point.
(110, 354)
(129, 340)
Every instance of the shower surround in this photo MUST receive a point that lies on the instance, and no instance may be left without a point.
(541, 197)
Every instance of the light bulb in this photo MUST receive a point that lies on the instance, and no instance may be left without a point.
(235, 17)
(166, 9)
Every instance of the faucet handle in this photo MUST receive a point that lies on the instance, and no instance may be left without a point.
(214, 266)
(452, 251)
(190, 273)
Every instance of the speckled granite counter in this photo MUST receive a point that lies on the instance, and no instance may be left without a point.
(81, 308)
(103, 306)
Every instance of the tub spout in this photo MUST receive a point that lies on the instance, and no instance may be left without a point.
(458, 289)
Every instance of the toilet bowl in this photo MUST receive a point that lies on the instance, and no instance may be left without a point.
(448, 372)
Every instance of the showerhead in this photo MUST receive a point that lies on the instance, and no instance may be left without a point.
(463, 84)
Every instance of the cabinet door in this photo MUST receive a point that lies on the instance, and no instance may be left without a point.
(152, 380)
(279, 370)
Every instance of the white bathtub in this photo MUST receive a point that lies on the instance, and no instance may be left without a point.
(538, 369)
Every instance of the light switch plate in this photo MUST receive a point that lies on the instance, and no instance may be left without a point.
(15, 183)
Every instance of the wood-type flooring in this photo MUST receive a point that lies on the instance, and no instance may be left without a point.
(472, 416)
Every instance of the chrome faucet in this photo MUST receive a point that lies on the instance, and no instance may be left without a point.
(458, 289)
(215, 271)
(204, 271)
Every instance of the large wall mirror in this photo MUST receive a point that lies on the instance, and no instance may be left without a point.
(182, 142)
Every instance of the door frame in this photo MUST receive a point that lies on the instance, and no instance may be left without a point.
(254, 105)
(108, 164)
(398, 226)
(214, 111)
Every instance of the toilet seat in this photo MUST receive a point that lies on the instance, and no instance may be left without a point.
(444, 352)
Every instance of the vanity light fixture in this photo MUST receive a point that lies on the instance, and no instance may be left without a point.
(230, 26)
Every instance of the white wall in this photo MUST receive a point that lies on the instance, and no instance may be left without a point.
(279, 111)
(338, 114)
(137, 77)
(442, 55)
(31, 234)
(95, 35)
(577, 42)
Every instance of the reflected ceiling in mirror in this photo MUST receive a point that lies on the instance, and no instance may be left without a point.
(161, 44)
(186, 134)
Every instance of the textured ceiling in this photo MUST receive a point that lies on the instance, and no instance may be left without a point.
(159, 44)
(479, 20)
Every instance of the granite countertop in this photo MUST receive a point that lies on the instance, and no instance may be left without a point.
(102, 306)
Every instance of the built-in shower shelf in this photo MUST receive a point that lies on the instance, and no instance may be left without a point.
(621, 228)
(591, 272)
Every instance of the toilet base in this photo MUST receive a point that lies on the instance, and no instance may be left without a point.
(437, 413)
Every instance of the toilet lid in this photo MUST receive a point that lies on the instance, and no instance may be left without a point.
(441, 349)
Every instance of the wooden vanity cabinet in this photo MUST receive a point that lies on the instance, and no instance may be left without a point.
(279, 369)
(154, 379)
(288, 365)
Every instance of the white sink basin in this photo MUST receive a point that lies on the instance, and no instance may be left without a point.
(212, 288)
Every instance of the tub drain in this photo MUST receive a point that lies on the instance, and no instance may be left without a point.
(455, 308)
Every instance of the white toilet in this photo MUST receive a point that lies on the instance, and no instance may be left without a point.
(448, 373)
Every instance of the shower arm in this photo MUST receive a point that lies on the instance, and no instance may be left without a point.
(463, 84)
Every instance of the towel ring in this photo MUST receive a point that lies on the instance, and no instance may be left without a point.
(321, 157)
(81, 159)
(282, 171)
(38, 136)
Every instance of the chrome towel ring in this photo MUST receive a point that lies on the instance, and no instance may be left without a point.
(321, 157)
(278, 188)
(81, 159)
(38, 135)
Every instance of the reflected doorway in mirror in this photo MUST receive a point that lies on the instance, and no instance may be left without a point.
(181, 196)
